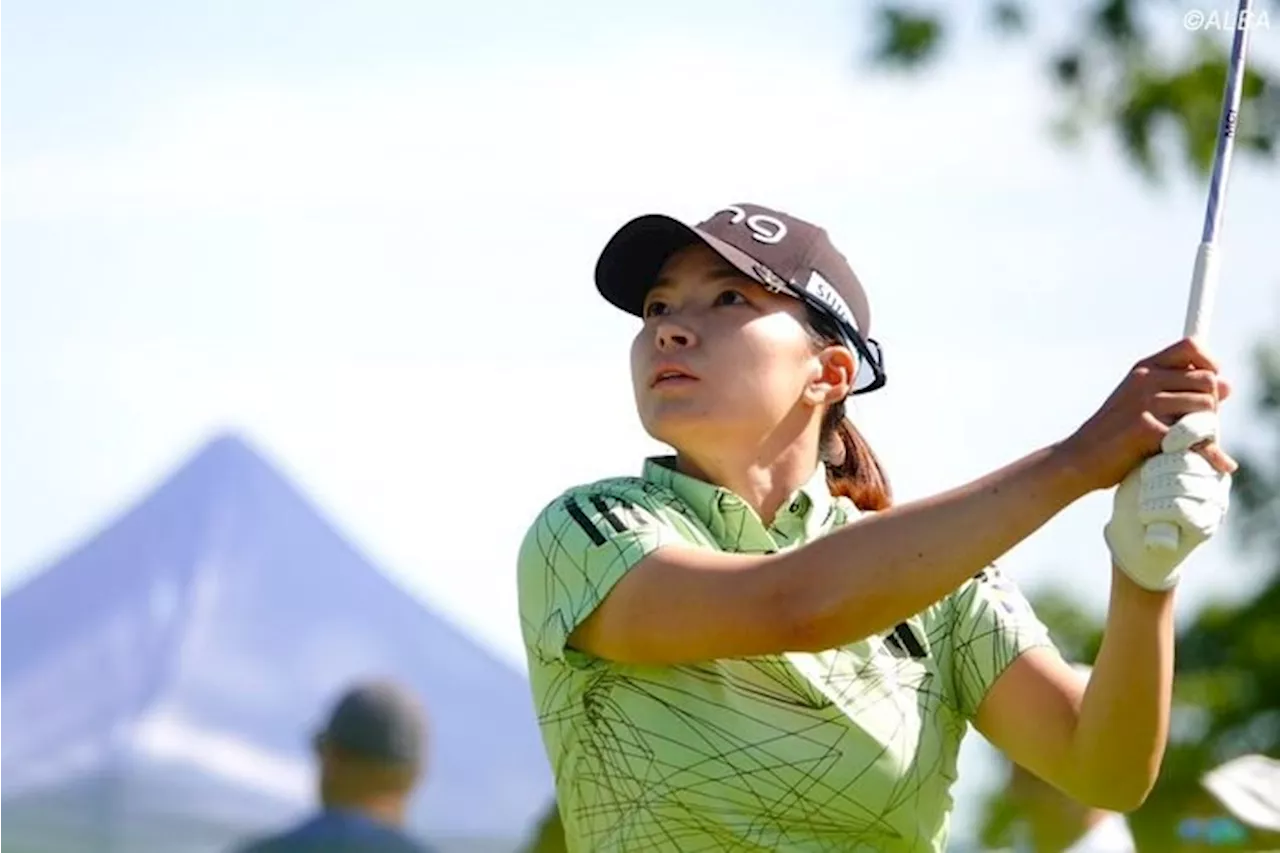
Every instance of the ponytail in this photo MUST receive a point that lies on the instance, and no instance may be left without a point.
(853, 471)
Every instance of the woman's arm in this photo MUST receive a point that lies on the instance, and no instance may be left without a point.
(680, 604)
(1101, 745)
(684, 604)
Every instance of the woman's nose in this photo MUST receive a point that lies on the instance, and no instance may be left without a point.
(674, 337)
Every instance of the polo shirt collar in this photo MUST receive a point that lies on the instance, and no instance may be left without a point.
(731, 520)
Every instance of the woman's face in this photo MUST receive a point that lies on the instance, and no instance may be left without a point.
(720, 359)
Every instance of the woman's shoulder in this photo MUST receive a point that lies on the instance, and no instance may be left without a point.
(625, 489)
(610, 495)
(617, 510)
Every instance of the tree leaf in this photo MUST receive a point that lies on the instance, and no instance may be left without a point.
(906, 39)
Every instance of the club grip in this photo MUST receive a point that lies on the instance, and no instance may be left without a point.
(1204, 286)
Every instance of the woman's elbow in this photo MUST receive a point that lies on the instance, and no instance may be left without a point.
(1119, 792)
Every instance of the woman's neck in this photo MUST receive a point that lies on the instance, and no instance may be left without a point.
(765, 483)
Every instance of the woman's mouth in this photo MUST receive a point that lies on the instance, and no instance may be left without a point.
(670, 376)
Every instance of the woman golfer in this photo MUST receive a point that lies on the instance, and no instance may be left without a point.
(748, 647)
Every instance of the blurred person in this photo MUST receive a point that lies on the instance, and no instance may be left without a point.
(748, 646)
(1045, 820)
(371, 754)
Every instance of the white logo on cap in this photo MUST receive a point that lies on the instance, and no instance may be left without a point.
(822, 289)
(764, 228)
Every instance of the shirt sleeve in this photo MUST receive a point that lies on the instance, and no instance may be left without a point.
(573, 554)
(993, 624)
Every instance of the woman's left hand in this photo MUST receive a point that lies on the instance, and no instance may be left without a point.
(1182, 487)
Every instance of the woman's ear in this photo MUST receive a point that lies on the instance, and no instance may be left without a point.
(833, 381)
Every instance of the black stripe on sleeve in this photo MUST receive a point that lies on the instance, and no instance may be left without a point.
(614, 521)
(908, 639)
(580, 517)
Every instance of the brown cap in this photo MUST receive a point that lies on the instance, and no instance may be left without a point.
(784, 254)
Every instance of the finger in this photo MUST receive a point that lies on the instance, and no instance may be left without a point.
(1169, 406)
(1217, 457)
(1185, 353)
(1166, 379)
(1224, 389)
(1189, 431)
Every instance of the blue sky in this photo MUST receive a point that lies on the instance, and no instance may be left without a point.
(364, 240)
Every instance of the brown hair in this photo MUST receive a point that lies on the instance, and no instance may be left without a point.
(853, 471)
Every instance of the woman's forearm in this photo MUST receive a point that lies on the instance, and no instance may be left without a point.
(1124, 719)
(868, 576)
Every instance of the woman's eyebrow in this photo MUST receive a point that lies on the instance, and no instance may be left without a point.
(722, 273)
(717, 274)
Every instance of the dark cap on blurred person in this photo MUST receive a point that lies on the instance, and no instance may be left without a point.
(377, 721)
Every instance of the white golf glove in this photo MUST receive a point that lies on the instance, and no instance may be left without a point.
(1168, 506)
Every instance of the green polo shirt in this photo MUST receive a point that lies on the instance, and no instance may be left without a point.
(849, 749)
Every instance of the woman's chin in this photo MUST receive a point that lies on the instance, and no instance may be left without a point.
(689, 432)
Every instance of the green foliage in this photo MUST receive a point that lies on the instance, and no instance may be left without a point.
(1256, 492)
(907, 38)
(1111, 73)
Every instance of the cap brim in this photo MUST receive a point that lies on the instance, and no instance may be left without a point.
(629, 265)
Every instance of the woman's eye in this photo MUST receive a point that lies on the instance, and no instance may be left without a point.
(730, 297)
(655, 309)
